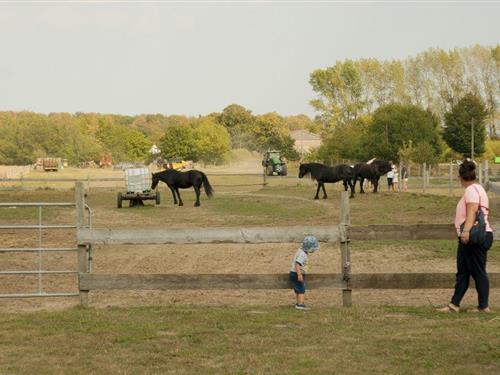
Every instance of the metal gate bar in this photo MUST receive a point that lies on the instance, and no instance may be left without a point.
(40, 249)
(33, 249)
(36, 272)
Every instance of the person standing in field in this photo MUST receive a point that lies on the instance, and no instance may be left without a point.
(299, 269)
(390, 177)
(471, 257)
(395, 179)
(404, 177)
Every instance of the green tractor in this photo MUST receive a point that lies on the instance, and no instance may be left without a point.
(274, 163)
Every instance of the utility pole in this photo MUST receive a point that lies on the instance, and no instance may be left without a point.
(472, 139)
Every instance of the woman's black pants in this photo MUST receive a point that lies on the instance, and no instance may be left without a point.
(471, 261)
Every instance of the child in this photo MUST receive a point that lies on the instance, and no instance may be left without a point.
(299, 269)
(395, 179)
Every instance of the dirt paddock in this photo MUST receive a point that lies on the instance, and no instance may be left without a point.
(228, 258)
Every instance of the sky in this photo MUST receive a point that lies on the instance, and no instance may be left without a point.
(197, 57)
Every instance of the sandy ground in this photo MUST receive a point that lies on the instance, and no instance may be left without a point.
(223, 258)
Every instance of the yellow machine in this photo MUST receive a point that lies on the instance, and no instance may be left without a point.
(177, 164)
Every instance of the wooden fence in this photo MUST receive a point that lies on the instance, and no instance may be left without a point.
(343, 233)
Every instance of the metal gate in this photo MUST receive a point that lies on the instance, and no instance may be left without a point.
(40, 249)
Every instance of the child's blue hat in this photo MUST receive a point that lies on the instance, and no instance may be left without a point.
(310, 244)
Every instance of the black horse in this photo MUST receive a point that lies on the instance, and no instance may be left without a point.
(322, 174)
(371, 172)
(182, 180)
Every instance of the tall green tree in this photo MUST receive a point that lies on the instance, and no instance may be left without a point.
(124, 144)
(269, 131)
(179, 142)
(469, 113)
(302, 122)
(395, 125)
(346, 142)
(339, 93)
(238, 121)
(212, 141)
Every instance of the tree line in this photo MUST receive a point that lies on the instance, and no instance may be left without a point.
(82, 137)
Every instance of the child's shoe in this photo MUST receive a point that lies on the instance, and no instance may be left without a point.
(301, 306)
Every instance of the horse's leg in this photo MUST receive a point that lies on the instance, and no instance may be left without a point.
(181, 203)
(375, 184)
(345, 184)
(197, 191)
(362, 181)
(173, 193)
(317, 191)
(324, 191)
(349, 182)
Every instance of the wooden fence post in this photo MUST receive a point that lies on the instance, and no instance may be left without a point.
(264, 183)
(486, 174)
(424, 168)
(450, 179)
(481, 173)
(400, 179)
(83, 257)
(344, 248)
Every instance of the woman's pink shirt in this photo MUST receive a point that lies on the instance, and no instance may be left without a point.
(474, 193)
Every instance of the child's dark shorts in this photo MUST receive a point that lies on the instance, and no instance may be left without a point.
(299, 288)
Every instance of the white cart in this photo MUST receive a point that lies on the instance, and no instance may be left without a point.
(138, 188)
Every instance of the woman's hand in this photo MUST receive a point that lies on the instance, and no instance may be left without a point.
(300, 278)
(464, 237)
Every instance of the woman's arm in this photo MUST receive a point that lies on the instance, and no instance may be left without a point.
(471, 209)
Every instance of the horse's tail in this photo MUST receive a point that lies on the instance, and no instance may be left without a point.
(206, 185)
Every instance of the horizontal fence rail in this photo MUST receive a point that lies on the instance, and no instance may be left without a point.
(33, 295)
(265, 234)
(89, 281)
(411, 280)
(206, 235)
(42, 272)
(62, 179)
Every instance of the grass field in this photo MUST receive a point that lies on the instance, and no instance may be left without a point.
(249, 340)
(272, 205)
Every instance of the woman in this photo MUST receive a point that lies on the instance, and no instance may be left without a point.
(471, 258)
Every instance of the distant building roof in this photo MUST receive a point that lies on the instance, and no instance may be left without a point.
(304, 135)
